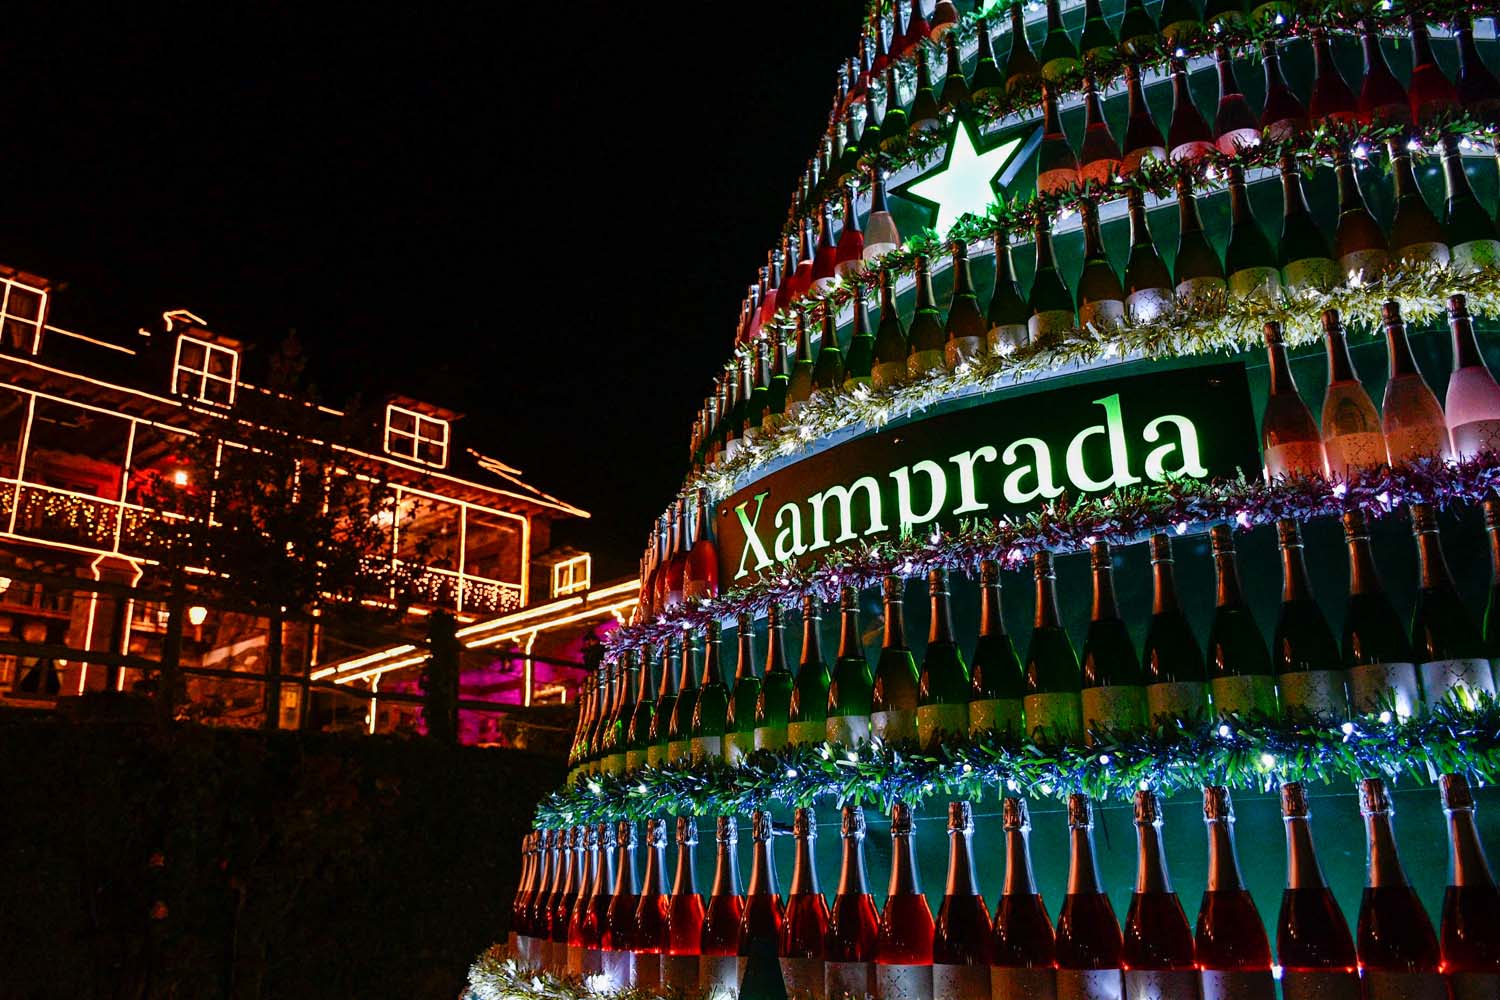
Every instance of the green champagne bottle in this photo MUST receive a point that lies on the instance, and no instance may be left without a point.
(739, 719)
(894, 124)
(760, 391)
(955, 94)
(851, 689)
(1377, 653)
(612, 739)
(1306, 260)
(773, 704)
(1051, 303)
(1008, 314)
(889, 367)
(776, 387)
(1416, 236)
(925, 114)
(1148, 285)
(1198, 273)
(1249, 262)
(1219, 14)
(1472, 239)
(1054, 709)
(711, 708)
(1056, 163)
(799, 385)
(966, 325)
(998, 680)
(1449, 647)
(666, 701)
(1309, 669)
(807, 715)
(1358, 241)
(638, 732)
(1176, 687)
(1097, 44)
(1022, 69)
(828, 372)
(893, 700)
(1239, 667)
(597, 734)
(630, 696)
(680, 730)
(1113, 698)
(861, 355)
(943, 689)
(1179, 21)
(1059, 55)
(1101, 297)
(925, 346)
(987, 81)
(1138, 31)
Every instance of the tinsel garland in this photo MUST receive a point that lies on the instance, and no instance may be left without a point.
(1071, 523)
(1208, 324)
(1255, 753)
(1026, 99)
(495, 975)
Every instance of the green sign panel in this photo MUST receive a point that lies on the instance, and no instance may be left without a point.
(1005, 457)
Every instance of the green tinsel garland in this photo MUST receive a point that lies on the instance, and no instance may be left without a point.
(1210, 324)
(497, 976)
(1242, 753)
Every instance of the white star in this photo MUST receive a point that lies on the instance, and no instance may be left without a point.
(965, 183)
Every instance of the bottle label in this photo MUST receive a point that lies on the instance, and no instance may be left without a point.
(1475, 254)
(1409, 441)
(613, 764)
(1023, 984)
(1001, 715)
(1119, 708)
(1311, 272)
(1474, 985)
(1476, 436)
(1148, 304)
(1461, 678)
(1309, 692)
(1221, 984)
(575, 960)
(593, 962)
(680, 972)
(1262, 283)
(1161, 984)
(1132, 160)
(617, 970)
(1207, 288)
(884, 375)
(1353, 452)
(1050, 181)
(679, 749)
(656, 755)
(960, 982)
(648, 971)
(1058, 716)
(634, 760)
(1051, 323)
(1374, 685)
(941, 720)
(803, 977)
(893, 726)
(1423, 253)
(1006, 338)
(736, 745)
(771, 737)
(1319, 984)
(1105, 314)
(1245, 695)
(1197, 149)
(1231, 142)
(719, 976)
(962, 350)
(1090, 984)
(702, 748)
(1382, 985)
(903, 982)
(798, 733)
(849, 730)
(1186, 701)
(919, 363)
(1294, 458)
(848, 979)
(1368, 264)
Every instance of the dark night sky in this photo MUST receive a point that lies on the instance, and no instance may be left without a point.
(542, 216)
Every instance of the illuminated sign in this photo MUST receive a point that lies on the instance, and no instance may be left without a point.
(994, 459)
(967, 180)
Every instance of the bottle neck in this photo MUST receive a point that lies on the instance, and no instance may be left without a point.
(625, 877)
(1164, 588)
(1295, 585)
(961, 880)
(712, 673)
(1018, 877)
(1434, 566)
(1363, 577)
(1292, 200)
(1465, 345)
(1228, 85)
(850, 644)
(1406, 181)
(804, 871)
(1043, 249)
(1135, 97)
(1182, 101)
(1467, 864)
(683, 883)
(1083, 872)
(1421, 44)
(1239, 205)
(990, 620)
(726, 872)
(1223, 866)
(924, 285)
(1104, 605)
(1399, 350)
(1272, 63)
(744, 665)
(904, 880)
(963, 281)
(1455, 180)
(852, 867)
(1151, 865)
(1140, 232)
(1093, 109)
(1281, 370)
(940, 628)
(1350, 199)
(1385, 865)
(656, 864)
(895, 625)
(1046, 602)
(1302, 868)
(762, 870)
(1340, 364)
(1187, 213)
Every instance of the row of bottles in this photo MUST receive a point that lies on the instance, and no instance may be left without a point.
(681, 562)
(767, 384)
(670, 711)
(857, 136)
(582, 907)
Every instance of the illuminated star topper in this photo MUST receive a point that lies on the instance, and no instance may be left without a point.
(965, 182)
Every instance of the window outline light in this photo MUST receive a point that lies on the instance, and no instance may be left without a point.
(415, 436)
(573, 584)
(205, 375)
(37, 324)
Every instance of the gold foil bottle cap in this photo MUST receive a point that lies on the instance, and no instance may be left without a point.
(1391, 311)
(590, 838)
(989, 571)
(900, 820)
(1013, 814)
(804, 824)
(848, 598)
(773, 615)
(1147, 808)
(625, 835)
(605, 834)
(1099, 556)
(725, 831)
(761, 827)
(852, 822)
(1161, 547)
(656, 833)
(1042, 563)
(1373, 799)
(687, 830)
(1288, 533)
(1355, 525)
(1294, 800)
(1455, 792)
(1331, 322)
(893, 587)
(960, 817)
(1458, 305)
(1080, 811)
(1423, 519)
(1272, 333)
(744, 622)
(1221, 538)
(1216, 804)
(937, 582)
